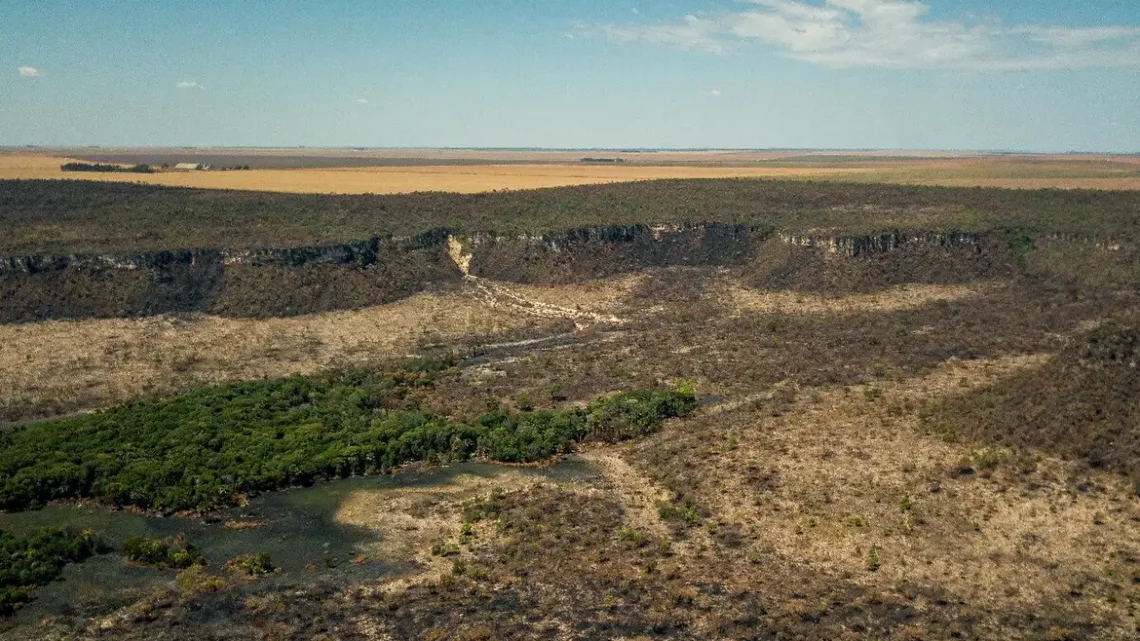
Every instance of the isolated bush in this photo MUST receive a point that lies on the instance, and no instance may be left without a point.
(258, 564)
(164, 554)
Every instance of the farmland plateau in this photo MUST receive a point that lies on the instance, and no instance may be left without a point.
(333, 171)
(513, 395)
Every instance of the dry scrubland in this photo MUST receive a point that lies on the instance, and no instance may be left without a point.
(818, 493)
(557, 170)
(85, 364)
(933, 441)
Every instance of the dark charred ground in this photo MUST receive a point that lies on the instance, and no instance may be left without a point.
(960, 468)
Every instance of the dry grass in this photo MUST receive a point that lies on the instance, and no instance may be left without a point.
(1104, 184)
(904, 297)
(1022, 172)
(597, 296)
(91, 363)
(73, 365)
(410, 520)
(852, 470)
(401, 180)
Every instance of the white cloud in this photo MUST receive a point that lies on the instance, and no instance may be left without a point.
(29, 72)
(693, 34)
(895, 34)
(361, 101)
(715, 93)
(190, 84)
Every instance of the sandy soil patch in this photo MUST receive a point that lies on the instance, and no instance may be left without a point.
(635, 492)
(554, 302)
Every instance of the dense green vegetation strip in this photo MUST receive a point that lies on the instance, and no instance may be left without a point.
(204, 449)
(63, 217)
(27, 562)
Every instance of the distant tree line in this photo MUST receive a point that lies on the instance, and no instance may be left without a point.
(105, 168)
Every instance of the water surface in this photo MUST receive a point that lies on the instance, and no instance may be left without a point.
(297, 528)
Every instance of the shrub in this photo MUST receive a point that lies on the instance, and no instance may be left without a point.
(37, 560)
(634, 414)
(873, 561)
(175, 554)
(683, 513)
(253, 564)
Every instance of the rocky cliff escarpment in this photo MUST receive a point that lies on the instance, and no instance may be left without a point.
(251, 283)
(860, 263)
(595, 252)
(866, 245)
(300, 280)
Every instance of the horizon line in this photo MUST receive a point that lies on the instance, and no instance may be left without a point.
(626, 150)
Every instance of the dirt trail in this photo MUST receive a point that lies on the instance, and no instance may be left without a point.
(496, 295)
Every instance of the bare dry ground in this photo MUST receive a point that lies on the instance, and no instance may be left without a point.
(473, 172)
(903, 297)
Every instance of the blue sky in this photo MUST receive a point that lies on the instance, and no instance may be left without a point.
(1042, 75)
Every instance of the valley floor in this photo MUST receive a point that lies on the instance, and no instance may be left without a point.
(824, 489)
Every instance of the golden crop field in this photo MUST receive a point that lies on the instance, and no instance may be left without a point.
(1027, 172)
(395, 180)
